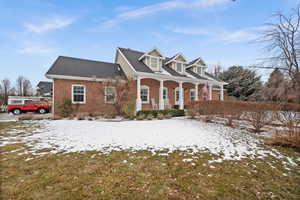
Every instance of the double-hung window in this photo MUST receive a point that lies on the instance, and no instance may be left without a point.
(154, 62)
(145, 94)
(192, 94)
(110, 94)
(179, 67)
(78, 94)
(199, 70)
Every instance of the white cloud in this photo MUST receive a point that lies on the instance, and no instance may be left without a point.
(31, 48)
(159, 7)
(222, 35)
(55, 22)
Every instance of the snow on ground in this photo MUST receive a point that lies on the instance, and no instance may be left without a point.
(156, 135)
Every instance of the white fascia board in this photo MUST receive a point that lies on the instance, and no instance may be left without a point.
(147, 53)
(173, 59)
(54, 76)
(159, 77)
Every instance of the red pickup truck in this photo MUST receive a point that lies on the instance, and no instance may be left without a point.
(18, 106)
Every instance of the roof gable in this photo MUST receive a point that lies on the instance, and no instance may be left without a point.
(133, 58)
(152, 52)
(197, 61)
(178, 57)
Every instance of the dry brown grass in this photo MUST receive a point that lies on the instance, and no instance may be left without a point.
(141, 175)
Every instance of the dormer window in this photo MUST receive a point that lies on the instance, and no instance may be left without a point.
(153, 59)
(154, 63)
(199, 70)
(179, 67)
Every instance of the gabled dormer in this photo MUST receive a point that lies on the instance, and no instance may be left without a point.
(153, 59)
(198, 66)
(177, 63)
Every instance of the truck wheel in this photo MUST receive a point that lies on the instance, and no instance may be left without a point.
(42, 110)
(16, 111)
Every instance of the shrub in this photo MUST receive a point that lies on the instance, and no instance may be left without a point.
(286, 139)
(192, 110)
(140, 116)
(149, 117)
(129, 110)
(66, 108)
(81, 116)
(154, 113)
(95, 114)
(110, 116)
(160, 116)
(168, 116)
(258, 118)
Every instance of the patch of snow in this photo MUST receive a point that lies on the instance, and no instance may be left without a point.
(27, 159)
(187, 160)
(155, 136)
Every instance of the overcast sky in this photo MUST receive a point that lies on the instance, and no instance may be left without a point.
(34, 32)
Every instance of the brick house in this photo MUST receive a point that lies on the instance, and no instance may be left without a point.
(158, 82)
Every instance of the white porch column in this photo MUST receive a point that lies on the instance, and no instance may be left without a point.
(161, 95)
(196, 92)
(181, 98)
(210, 91)
(138, 95)
(222, 93)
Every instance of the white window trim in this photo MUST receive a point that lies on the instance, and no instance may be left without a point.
(105, 95)
(148, 96)
(182, 68)
(202, 69)
(84, 94)
(158, 62)
(165, 88)
(192, 90)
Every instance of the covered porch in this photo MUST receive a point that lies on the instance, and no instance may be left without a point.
(160, 92)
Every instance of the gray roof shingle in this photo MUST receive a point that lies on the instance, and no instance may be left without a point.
(213, 77)
(69, 66)
(133, 57)
(195, 74)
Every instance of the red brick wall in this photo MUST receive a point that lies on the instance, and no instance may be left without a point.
(95, 99)
(94, 96)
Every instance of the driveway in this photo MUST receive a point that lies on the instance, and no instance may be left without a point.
(7, 117)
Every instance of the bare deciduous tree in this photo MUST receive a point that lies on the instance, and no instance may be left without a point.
(119, 91)
(282, 41)
(23, 86)
(5, 88)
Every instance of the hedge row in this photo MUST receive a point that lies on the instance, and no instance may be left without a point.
(235, 107)
(154, 113)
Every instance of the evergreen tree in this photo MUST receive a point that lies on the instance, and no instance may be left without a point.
(243, 83)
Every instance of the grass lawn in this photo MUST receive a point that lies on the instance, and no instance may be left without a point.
(141, 175)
